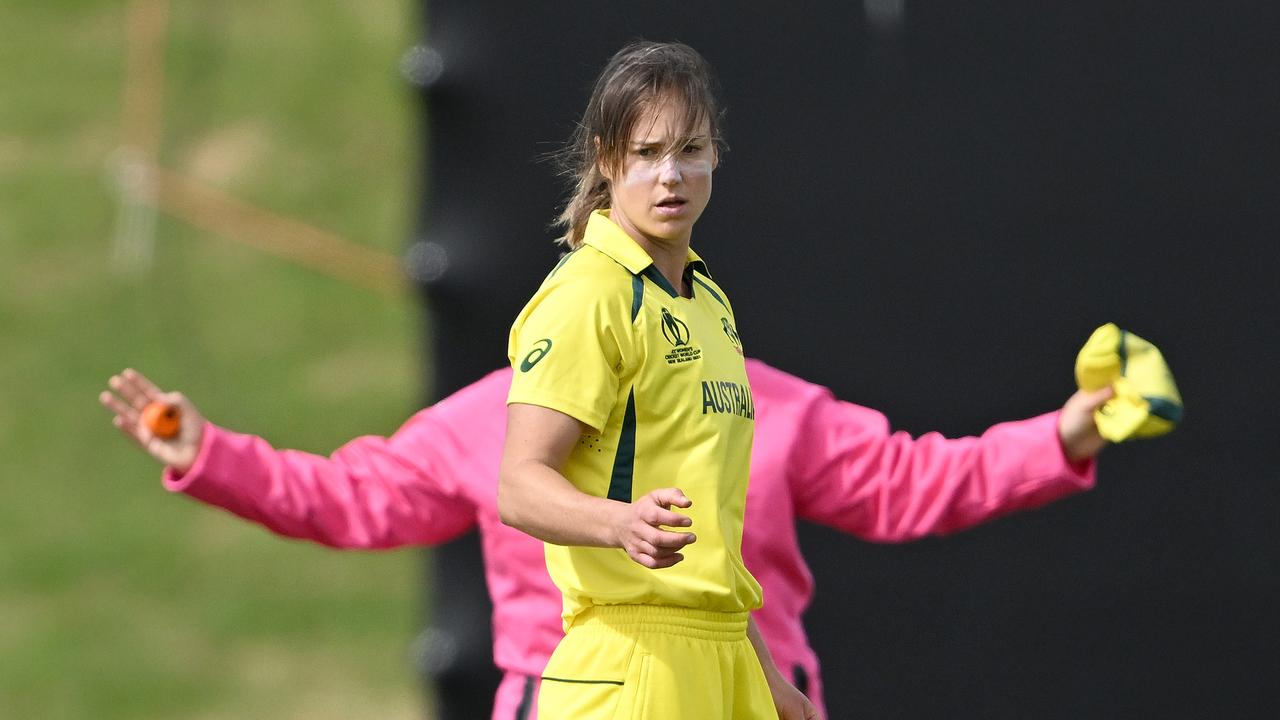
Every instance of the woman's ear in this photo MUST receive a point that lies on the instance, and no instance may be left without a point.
(602, 167)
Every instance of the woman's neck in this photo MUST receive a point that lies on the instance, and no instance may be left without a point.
(669, 257)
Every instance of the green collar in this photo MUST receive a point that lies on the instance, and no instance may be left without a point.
(604, 235)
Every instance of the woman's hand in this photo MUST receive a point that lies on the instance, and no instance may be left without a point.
(132, 392)
(790, 703)
(1076, 428)
(638, 528)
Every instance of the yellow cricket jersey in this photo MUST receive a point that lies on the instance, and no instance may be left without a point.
(661, 378)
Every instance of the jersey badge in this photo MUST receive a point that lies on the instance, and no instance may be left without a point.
(677, 333)
(732, 334)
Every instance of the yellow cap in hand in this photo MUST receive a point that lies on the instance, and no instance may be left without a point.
(1146, 402)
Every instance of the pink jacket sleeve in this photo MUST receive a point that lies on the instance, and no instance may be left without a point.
(373, 492)
(850, 472)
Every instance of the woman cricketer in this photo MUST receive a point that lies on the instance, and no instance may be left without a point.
(630, 398)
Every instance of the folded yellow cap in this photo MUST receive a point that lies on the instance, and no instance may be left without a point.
(1146, 402)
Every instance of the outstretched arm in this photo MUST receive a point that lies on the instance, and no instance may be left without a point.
(849, 471)
(535, 498)
(373, 492)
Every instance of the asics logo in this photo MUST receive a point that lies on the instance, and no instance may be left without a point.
(539, 351)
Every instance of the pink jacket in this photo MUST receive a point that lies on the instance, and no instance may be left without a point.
(815, 458)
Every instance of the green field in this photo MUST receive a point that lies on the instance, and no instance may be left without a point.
(117, 599)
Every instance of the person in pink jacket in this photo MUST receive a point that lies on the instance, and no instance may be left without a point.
(815, 458)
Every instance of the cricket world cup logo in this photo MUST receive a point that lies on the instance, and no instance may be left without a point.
(674, 329)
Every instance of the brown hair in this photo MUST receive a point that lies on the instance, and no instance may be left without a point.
(638, 76)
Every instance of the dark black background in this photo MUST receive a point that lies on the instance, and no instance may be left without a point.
(931, 220)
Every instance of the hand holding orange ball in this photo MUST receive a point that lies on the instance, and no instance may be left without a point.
(164, 424)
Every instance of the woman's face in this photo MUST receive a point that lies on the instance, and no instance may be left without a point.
(657, 197)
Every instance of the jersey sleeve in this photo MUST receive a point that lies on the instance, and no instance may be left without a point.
(568, 349)
(849, 471)
(373, 492)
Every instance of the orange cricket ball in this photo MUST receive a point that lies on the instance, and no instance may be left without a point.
(162, 419)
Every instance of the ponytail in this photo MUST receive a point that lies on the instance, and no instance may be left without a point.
(590, 193)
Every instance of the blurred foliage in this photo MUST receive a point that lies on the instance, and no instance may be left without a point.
(117, 599)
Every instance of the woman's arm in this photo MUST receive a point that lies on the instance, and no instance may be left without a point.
(535, 498)
(374, 492)
(790, 703)
(847, 469)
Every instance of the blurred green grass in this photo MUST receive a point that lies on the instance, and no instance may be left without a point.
(117, 599)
